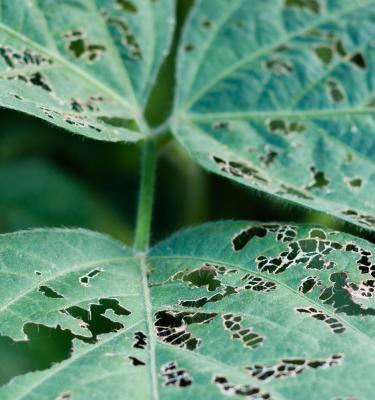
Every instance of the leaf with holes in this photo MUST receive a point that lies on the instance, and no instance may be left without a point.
(279, 96)
(230, 309)
(85, 65)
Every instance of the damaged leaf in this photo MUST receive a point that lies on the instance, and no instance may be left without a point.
(82, 64)
(293, 81)
(229, 309)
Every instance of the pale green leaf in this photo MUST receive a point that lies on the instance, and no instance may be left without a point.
(279, 96)
(85, 65)
(231, 309)
(38, 194)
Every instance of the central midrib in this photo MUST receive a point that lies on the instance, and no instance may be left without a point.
(150, 327)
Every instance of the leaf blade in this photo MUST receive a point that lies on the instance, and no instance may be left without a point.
(85, 72)
(231, 307)
(279, 115)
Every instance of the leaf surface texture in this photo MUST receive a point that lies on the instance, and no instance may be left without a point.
(279, 96)
(248, 310)
(85, 65)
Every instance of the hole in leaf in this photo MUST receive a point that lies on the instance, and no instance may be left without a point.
(358, 60)
(354, 182)
(136, 361)
(278, 66)
(284, 233)
(94, 319)
(203, 276)
(289, 367)
(246, 235)
(240, 170)
(77, 44)
(85, 280)
(92, 104)
(175, 377)
(44, 347)
(269, 157)
(320, 181)
(219, 125)
(172, 327)
(64, 396)
(308, 284)
(335, 90)
(49, 292)
(16, 96)
(339, 296)
(317, 233)
(365, 219)
(334, 324)
(251, 282)
(127, 6)
(284, 127)
(310, 252)
(24, 58)
(38, 79)
(128, 39)
(248, 337)
(189, 47)
(311, 5)
(340, 48)
(248, 391)
(207, 23)
(324, 53)
(141, 340)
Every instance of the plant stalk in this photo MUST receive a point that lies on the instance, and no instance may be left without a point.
(146, 197)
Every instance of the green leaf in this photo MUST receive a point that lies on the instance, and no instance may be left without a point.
(84, 65)
(232, 309)
(37, 194)
(279, 96)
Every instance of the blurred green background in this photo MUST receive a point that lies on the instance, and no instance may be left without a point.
(49, 177)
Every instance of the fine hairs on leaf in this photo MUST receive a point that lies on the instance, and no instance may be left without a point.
(277, 95)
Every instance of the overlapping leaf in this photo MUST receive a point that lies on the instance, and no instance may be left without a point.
(279, 96)
(236, 309)
(85, 65)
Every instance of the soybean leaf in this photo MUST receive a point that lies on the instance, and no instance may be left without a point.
(231, 309)
(85, 65)
(279, 96)
(38, 194)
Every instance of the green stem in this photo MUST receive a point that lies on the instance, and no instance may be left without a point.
(146, 197)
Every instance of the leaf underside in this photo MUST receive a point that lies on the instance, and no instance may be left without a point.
(279, 95)
(231, 309)
(85, 65)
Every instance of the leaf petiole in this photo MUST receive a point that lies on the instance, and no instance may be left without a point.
(146, 197)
